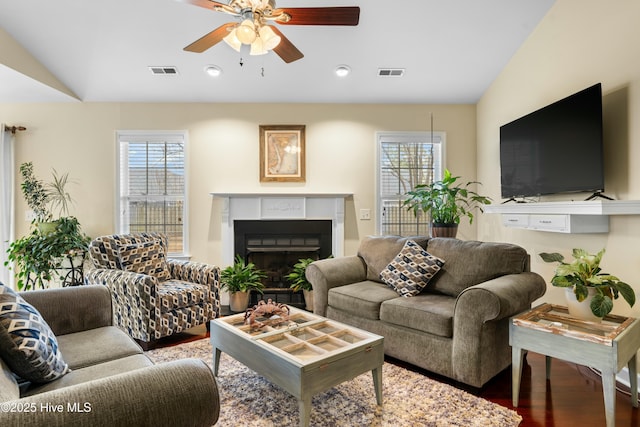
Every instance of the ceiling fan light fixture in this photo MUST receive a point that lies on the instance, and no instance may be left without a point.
(232, 40)
(269, 38)
(246, 32)
(257, 48)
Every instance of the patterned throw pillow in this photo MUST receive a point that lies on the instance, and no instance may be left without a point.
(411, 270)
(27, 344)
(147, 258)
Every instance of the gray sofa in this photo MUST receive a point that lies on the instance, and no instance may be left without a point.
(457, 326)
(111, 382)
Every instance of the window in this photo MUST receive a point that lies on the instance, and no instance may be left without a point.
(405, 159)
(152, 186)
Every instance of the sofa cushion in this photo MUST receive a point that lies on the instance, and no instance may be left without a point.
(27, 344)
(378, 251)
(146, 258)
(429, 313)
(471, 262)
(9, 389)
(90, 373)
(361, 299)
(411, 270)
(176, 294)
(96, 346)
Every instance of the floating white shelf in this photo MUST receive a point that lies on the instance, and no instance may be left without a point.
(564, 217)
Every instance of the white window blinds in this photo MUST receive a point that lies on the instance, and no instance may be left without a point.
(405, 159)
(152, 187)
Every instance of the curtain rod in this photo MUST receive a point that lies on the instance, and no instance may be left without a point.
(13, 129)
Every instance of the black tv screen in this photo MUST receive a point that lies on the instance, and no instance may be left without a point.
(557, 149)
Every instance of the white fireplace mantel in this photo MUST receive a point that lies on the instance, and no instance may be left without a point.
(281, 206)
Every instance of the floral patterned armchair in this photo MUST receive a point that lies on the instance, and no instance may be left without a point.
(152, 296)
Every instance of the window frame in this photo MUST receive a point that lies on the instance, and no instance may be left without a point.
(154, 136)
(436, 138)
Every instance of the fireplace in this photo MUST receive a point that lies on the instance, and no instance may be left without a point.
(274, 246)
(235, 208)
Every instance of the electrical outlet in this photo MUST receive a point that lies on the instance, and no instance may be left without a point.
(365, 214)
(29, 215)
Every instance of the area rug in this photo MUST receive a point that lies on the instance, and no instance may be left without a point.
(410, 399)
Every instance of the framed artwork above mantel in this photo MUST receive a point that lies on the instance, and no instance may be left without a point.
(282, 153)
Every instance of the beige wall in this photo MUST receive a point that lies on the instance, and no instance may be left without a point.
(579, 43)
(223, 153)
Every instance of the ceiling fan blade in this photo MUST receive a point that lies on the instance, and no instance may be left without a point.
(349, 15)
(285, 49)
(207, 4)
(210, 39)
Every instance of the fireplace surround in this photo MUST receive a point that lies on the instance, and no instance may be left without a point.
(319, 218)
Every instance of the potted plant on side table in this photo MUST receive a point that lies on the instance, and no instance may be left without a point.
(55, 249)
(589, 292)
(446, 202)
(239, 280)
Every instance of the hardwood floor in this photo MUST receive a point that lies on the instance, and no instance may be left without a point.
(573, 396)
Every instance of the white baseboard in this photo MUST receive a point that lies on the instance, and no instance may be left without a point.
(623, 377)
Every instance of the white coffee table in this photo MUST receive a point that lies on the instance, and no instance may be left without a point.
(308, 355)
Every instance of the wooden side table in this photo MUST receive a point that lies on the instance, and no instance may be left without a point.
(608, 346)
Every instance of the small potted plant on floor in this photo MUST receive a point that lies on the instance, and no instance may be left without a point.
(299, 281)
(446, 202)
(589, 292)
(239, 280)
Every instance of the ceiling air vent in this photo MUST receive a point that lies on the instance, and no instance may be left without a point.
(390, 72)
(164, 70)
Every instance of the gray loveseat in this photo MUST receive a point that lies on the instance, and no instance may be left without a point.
(111, 382)
(457, 326)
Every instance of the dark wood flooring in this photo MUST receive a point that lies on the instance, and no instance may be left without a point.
(573, 396)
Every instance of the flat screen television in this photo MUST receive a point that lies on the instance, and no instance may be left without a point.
(556, 149)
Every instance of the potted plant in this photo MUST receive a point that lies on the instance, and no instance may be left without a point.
(55, 248)
(299, 281)
(35, 193)
(40, 257)
(239, 279)
(446, 202)
(586, 284)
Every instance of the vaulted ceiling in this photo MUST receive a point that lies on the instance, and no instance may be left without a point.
(70, 50)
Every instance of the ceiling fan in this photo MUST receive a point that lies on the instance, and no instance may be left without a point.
(254, 31)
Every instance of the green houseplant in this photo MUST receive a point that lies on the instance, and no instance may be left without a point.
(583, 277)
(39, 256)
(299, 281)
(446, 202)
(55, 247)
(239, 279)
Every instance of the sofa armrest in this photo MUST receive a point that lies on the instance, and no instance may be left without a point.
(182, 392)
(330, 273)
(480, 321)
(200, 273)
(498, 298)
(72, 309)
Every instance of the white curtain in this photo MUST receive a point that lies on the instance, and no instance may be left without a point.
(7, 216)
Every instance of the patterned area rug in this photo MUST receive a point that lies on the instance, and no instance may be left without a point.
(410, 399)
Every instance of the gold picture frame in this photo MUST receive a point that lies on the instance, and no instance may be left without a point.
(282, 153)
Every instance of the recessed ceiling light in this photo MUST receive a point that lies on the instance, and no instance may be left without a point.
(213, 71)
(342, 70)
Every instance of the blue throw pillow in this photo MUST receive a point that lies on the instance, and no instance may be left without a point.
(27, 344)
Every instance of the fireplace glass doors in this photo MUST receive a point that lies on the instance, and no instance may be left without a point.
(274, 246)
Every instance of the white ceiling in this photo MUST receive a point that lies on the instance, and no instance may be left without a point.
(451, 51)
